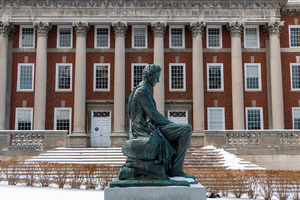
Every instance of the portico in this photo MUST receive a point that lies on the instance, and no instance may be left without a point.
(203, 76)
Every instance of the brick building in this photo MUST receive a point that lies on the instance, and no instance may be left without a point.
(227, 65)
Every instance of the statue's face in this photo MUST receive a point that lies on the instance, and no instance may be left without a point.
(154, 79)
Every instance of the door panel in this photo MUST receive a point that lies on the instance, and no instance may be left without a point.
(101, 129)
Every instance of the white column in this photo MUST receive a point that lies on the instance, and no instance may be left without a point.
(9, 77)
(198, 88)
(5, 28)
(267, 37)
(120, 29)
(81, 29)
(274, 28)
(235, 29)
(42, 29)
(158, 29)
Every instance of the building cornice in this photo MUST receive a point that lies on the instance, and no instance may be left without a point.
(57, 12)
(144, 3)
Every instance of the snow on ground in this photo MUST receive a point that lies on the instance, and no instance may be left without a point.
(49, 193)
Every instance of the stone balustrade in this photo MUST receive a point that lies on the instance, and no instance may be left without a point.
(241, 139)
(32, 140)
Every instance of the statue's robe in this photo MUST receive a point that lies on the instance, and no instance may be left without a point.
(147, 121)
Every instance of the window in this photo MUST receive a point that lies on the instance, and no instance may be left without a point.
(62, 119)
(23, 119)
(176, 37)
(102, 36)
(295, 76)
(25, 77)
(139, 36)
(27, 36)
(251, 36)
(296, 118)
(214, 36)
(101, 77)
(294, 31)
(178, 116)
(216, 118)
(64, 36)
(177, 77)
(215, 77)
(252, 76)
(254, 119)
(63, 81)
(137, 73)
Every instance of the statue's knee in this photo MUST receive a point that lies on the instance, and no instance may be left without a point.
(189, 129)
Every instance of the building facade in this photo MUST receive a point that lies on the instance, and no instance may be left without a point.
(71, 65)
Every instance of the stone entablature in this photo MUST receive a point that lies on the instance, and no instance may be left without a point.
(141, 11)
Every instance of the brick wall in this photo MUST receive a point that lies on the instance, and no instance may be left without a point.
(224, 98)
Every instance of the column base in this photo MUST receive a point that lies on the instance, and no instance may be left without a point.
(77, 140)
(118, 138)
(197, 139)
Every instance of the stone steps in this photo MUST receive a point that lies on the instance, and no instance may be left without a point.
(196, 157)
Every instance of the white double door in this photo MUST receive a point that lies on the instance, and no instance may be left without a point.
(101, 128)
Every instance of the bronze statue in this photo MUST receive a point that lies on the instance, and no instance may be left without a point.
(147, 121)
(159, 146)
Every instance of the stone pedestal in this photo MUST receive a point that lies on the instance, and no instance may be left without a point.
(195, 191)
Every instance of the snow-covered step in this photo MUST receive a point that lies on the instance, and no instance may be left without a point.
(204, 158)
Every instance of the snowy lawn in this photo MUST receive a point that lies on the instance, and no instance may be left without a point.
(18, 192)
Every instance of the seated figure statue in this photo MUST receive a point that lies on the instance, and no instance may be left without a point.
(173, 139)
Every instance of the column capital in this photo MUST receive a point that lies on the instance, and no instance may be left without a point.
(235, 28)
(42, 28)
(273, 28)
(158, 28)
(6, 28)
(197, 28)
(120, 28)
(81, 28)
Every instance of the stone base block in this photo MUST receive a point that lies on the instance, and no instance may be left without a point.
(197, 140)
(77, 141)
(195, 191)
(117, 139)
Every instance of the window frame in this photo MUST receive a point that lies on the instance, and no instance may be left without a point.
(146, 36)
(290, 42)
(95, 36)
(257, 34)
(132, 72)
(220, 36)
(259, 76)
(186, 113)
(170, 36)
(261, 117)
(20, 36)
(55, 117)
(17, 116)
(170, 77)
(208, 117)
(18, 77)
(58, 34)
(222, 77)
(56, 77)
(94, 78)
(291, 77)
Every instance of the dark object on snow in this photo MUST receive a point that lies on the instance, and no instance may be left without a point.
(213, 195)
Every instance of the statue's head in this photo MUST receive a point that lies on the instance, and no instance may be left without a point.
(151, 74)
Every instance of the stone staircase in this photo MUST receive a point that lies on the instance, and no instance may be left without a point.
(204, 158)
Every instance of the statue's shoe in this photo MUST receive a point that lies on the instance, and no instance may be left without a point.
(182, 174)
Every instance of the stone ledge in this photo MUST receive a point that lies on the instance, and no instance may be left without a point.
(196, 191)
